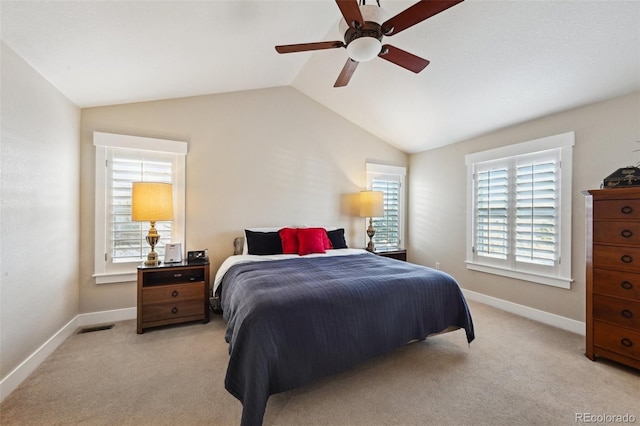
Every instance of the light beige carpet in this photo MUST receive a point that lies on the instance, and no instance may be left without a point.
(517, 371)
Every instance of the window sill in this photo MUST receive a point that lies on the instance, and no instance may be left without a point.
(525, 276)
(123, 277)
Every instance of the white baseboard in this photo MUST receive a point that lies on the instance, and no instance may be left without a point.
(9, 383)
(527, 312)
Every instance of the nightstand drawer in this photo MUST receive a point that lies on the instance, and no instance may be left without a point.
(172, 310)
(618, 311)
(172, 293)
(620, 340)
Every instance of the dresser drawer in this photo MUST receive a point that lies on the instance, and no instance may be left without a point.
(616, 209)
(616, 283)
(616, 339)
(616, 232)
(173, 293)
(617, 257)
(618, 311)
(178, 309)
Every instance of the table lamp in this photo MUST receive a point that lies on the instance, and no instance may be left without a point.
(371, 205)
(152, 201)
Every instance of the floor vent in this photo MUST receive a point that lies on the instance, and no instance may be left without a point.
(98, 328)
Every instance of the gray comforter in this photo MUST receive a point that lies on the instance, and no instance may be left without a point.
(292, 321)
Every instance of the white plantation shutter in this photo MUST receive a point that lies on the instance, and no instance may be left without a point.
(387, 227)
(536, 209)
(520, 195)
(492, 221)
(127, 240)
(389, 180)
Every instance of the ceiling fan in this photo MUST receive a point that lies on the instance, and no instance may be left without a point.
(364, 26)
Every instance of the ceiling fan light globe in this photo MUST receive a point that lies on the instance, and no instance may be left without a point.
(364, 49)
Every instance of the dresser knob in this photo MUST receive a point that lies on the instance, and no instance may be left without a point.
(626, 285)
(626, 233)
(626, 258)
(627, 313)
(626, 342)
(627, 210)
(174, 310)
(175, 293)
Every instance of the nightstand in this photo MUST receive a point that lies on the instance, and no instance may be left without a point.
(394, 253)
(172, 293)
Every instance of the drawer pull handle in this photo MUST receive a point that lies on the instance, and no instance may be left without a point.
(626, 233)
(626, 342)
(626, 285)
(174, 310)
(627, 313)
(177, 275)
(627, 210)
(626, 259)
(175, 293)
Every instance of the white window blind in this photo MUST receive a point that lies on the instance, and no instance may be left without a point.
(390, 227)
(120, 243)
(127, 238)
(520, 198)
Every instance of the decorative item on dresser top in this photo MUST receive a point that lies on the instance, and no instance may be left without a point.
(613, 275)
(172, 294)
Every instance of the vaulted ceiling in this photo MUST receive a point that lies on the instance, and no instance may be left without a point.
(493, 63)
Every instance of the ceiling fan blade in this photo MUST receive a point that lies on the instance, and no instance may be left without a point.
(346, 73)
(414, 14)
(402, 58)
(303, 47)
(351, 12)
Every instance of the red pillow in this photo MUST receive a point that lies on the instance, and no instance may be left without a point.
(325, 239)
(289, 238)
(311, 240)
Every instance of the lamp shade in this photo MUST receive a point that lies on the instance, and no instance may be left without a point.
(151, 201)
(371, 204)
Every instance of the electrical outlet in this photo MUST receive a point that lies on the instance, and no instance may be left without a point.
(437, 265)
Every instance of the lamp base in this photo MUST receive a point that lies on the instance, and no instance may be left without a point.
(371, 232)
(152, 240)
(152, 259)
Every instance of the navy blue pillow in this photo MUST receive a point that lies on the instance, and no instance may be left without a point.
(263, 243)
(337, 238)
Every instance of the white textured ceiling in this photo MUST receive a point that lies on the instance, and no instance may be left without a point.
(493, 63)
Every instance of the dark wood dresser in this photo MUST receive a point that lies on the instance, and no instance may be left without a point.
(613, 275)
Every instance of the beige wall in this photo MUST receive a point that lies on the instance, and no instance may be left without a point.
(605, 138)
(267, 157)
(39, 211)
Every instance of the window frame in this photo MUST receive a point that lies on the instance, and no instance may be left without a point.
(560, 274)
(106, 271)
(399, 173)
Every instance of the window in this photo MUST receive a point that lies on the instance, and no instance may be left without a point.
(121, 160)
(389, 180)
(520, 210)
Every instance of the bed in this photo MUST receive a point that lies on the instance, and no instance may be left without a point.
(294, 319)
